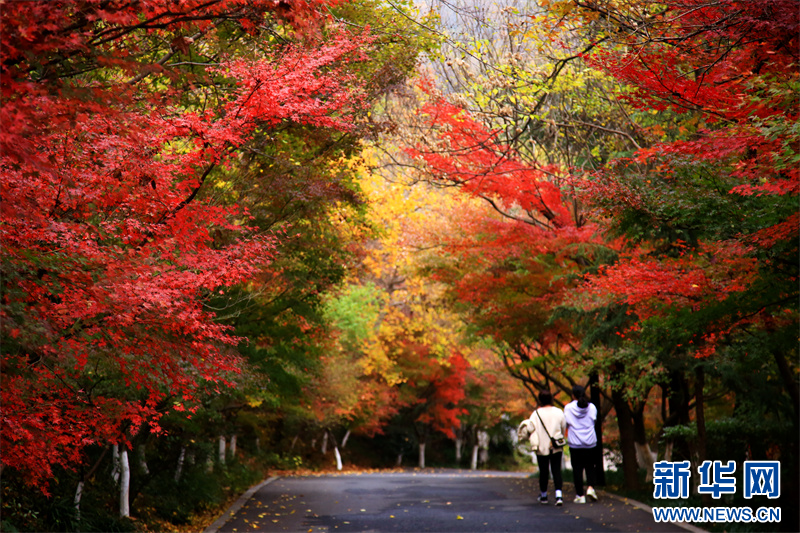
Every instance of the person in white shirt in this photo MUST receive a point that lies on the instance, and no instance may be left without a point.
(547, 423)
(582, 440)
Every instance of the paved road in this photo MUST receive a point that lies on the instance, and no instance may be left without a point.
(449, 502)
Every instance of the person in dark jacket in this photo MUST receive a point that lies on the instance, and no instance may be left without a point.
(580, 415)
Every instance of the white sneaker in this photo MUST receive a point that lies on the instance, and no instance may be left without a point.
(591, 493)
(580, 499)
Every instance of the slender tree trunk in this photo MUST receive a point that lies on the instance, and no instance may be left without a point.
(115, 463)
(700, 413)
(233, 447)
(345, 438)
(336, 453)
(668, 451)
(125, 484)
(77, 501)
(597, 400)
(142, 459)
(679, 397)
(338, 458)
(473, 464)
(483, 444)
(325, 443)
(179, 469)
(459, 444)
(789, 380)
(222, 445)
(627, 440)
(644, 454)
(399, 459)
(422, 455)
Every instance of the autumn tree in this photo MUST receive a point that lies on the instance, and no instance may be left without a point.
(709, 276)
(114, 131)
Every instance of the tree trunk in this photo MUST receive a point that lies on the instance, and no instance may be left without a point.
(668, 451)
(789, 380)
(483, 444)
(700, 414)
(179, 469)
(644, 455)
(222, 449)
(679, 413)
(473, 465)
(142, 459)
(399, 459)
(345, 438)
(115, 463)
(77, 501)
(422, 455)
(325, 443)
(627, 440)
(232, 451)
(597, 400)
(459, 444)
(338, 457)
(125, 484)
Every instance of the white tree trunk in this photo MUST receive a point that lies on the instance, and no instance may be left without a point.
(142, 459)
(422, 455)
(399, 459)
(338, 457)
(645, 459)
(473, 465)
(115, 462)
(459, 444)
(325, 443)
(483, 443)
(179, 469)
(77, 501)
(233, 447)
(344, 439)
(125, 484)
(222, 449)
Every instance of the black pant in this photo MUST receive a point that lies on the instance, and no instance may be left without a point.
(548, 463)
(582, 459)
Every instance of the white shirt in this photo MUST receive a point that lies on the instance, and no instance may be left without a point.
(580, 425)
(553, 419)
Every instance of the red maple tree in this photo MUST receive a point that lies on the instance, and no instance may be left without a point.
(111, 237)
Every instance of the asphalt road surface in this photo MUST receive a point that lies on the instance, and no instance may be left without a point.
(454, 502)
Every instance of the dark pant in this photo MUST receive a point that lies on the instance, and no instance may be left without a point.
(548, 463)
(582, 460)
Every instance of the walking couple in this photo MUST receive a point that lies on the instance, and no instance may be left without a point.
(547, 425)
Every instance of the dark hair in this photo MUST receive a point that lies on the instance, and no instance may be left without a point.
(579, 393)
(545, 397)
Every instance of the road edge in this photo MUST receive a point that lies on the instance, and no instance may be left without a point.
(238, 504)
(644, 507)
